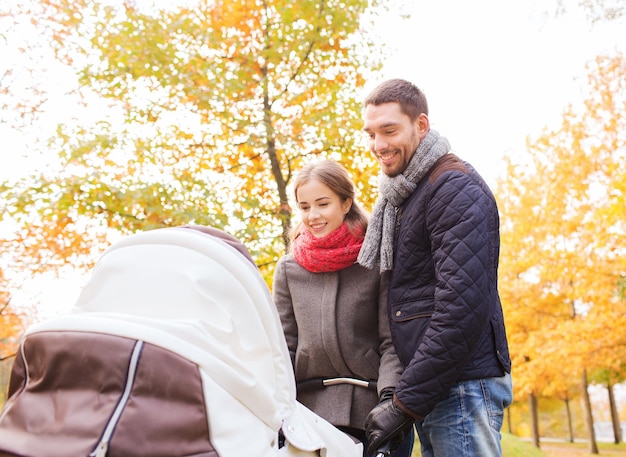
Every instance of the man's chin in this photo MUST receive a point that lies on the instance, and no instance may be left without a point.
(390, 170)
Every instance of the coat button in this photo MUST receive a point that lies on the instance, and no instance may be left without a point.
(398, 313)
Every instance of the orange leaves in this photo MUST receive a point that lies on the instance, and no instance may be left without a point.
(11, 323)
(235, 14)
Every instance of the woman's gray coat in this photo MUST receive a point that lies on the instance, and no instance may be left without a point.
(336, 325)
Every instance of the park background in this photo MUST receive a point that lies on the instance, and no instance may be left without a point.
(127, 116)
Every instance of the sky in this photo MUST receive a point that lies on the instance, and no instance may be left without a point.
(494, 72)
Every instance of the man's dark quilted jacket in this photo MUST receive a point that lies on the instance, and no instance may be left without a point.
(445, 312)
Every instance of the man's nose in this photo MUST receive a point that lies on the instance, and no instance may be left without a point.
(379, 144)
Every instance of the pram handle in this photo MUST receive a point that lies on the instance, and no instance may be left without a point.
(384, 450)
(319, 383)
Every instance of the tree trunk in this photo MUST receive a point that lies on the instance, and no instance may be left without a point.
(593, 445)
(570, 427)
(617, 427)
(284, 211)
(534, 418)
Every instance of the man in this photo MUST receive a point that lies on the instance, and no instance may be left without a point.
(436, 227)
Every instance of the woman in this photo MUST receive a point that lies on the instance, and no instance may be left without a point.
(333, 311)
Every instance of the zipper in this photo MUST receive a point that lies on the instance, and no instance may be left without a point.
(103, 446)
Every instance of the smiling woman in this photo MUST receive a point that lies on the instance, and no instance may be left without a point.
(321, 209)
(334, 311)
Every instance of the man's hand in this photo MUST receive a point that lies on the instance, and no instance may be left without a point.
(386, 422)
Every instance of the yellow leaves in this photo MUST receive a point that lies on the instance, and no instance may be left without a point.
(563, 249)
(200, 115)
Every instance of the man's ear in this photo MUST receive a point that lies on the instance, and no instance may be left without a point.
(423, 124)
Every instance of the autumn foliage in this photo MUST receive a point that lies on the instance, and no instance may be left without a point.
(203, 114)
(563, 260)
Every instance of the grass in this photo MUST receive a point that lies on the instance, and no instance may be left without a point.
(512, 446)
(581, 449)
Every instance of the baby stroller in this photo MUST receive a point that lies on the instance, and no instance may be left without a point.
(173, 348)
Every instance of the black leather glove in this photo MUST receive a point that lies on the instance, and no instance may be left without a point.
(386, 423)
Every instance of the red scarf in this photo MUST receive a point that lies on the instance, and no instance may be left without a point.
(333, 252)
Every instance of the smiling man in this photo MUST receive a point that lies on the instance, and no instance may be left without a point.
(436, 227)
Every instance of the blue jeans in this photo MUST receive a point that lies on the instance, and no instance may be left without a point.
(467, 422)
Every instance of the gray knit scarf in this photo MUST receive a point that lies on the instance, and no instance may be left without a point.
(392, 192)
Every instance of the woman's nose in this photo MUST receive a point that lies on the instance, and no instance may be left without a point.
(313, 213)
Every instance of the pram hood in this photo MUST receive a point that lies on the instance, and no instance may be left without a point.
(201, 297)
(208, 296)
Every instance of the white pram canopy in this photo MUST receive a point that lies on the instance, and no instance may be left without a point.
(193, 292)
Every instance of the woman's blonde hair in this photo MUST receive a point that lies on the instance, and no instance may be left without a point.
(333, 175)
